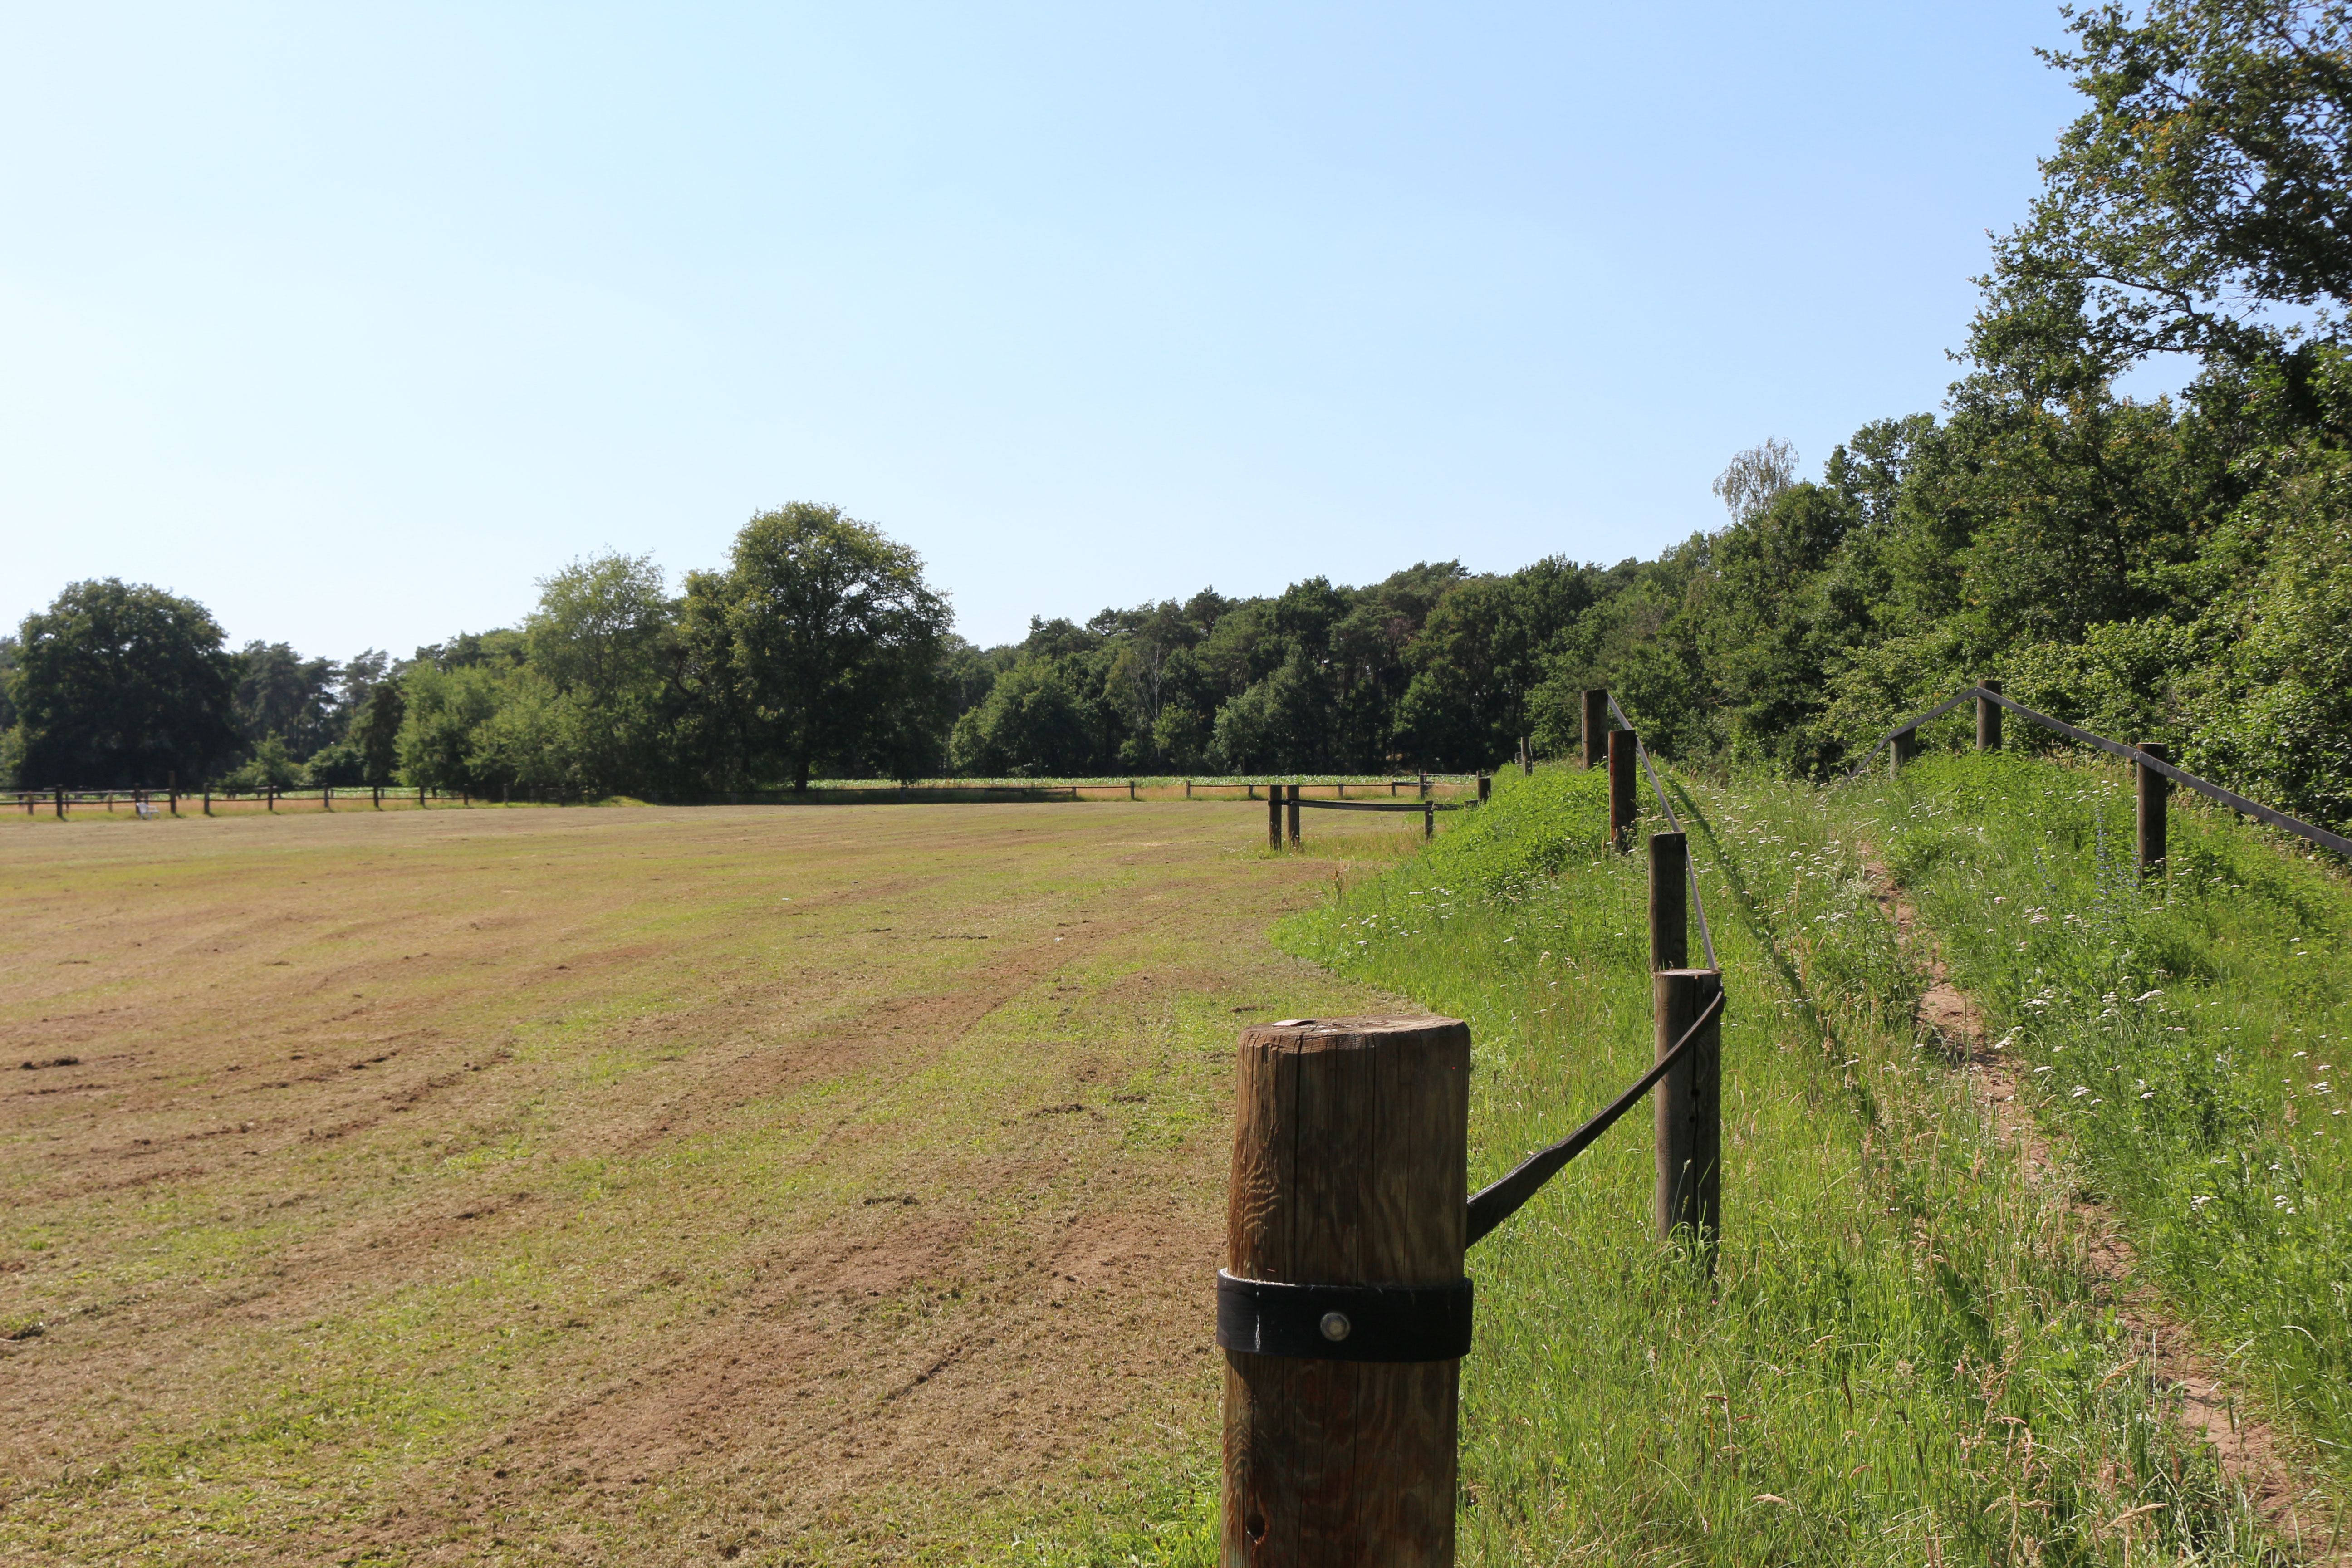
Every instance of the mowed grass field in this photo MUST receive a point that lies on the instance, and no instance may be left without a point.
(633, 1186)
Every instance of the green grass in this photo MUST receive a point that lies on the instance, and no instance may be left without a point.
(1901, 1358)
(2183, 1036)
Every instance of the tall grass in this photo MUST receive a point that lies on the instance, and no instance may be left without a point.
(2184, 1036)
(1900, 1358)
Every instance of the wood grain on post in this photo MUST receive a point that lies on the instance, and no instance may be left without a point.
(1904, 747)
(1624, 803)
(1350, 1139)
(1988, 719)
(1689, 1112)
(2155, 793)
(1669, 902)
(1274, 817)
(1596, 728)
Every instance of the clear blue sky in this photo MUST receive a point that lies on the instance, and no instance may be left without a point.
(350, 321)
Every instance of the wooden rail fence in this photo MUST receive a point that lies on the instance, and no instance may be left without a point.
(1343, 1309)
(2152, 768)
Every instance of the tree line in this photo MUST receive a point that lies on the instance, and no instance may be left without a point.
(2178, 567)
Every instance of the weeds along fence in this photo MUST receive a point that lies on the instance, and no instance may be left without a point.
(2154, 774)
(1343, 1309)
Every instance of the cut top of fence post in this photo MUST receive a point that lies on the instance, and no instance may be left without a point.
(1351, 1151)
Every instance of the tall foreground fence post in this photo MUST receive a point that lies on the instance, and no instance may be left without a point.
(1596, 729)
(1669, 905)
(1624, 804)
(1988, 719)
(1689, 1112)
(1343, 1310)
(2155, 793)
(1274, 817)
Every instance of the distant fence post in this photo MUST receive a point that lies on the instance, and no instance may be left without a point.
(1274, 817)
(1527, 755)
(1486, 786)
(1290, 806)
(1988, 719)
(1905, 747)
(208, 800)
(172, 789)
(1428, 819)
(420, 797)
(1623, 803)
(61, 803)
(1689, 1112)
(1342, 1403)
(2155, 799)
(1669, 902)
(326, 797)
(1596, 729)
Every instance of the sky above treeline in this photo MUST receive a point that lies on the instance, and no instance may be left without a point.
(352, 321)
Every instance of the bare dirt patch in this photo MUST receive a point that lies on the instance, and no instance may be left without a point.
(2205, 1403)
(648, 1185)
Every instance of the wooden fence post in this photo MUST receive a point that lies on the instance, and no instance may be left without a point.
(1904, 747)
(326, 797)
(1350, 1152)
(379, 797)
(420, 797)
(1290, 806)
(1274, 817)
(1669, 902)
(208, 800)
(61, 803)
(1988, 719)
(1689, 1112)
(1486, 786)
(1625, 803)
(1596, 729)
(2155, 798)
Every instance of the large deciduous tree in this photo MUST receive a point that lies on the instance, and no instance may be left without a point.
(2208, 184)
(121, 685)
(829, 641)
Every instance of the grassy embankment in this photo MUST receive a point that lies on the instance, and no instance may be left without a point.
(1902, 1358)
(2183, 1037)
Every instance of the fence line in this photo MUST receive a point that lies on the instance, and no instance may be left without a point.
(1690, 868)
(2141, 756)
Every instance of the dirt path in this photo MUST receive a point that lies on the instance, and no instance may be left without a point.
(2205, 1404)
(627, 1187)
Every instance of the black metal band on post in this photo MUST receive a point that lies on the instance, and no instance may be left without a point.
(1344, 1322)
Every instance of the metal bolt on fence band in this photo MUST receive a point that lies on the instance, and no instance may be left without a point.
(1335, 1326)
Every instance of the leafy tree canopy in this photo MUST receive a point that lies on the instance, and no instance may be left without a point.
(121, 685)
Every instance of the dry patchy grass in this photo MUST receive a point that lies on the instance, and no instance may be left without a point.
(631, 1186)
